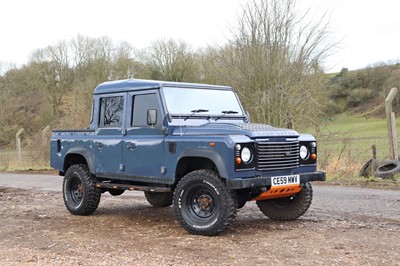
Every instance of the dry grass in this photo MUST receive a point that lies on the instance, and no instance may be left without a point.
(345, 172)
(342, 167)
(30, 159)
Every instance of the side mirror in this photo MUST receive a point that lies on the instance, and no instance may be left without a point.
(151, 117)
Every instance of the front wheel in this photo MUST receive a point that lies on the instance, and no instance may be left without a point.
(81, 196)
(202, 204)
(289, 208)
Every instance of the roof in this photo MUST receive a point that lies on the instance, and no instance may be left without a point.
(141, 84)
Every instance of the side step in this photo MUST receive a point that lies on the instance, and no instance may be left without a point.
(108, 185)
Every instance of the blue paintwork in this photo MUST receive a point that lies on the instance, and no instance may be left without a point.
(145, 152)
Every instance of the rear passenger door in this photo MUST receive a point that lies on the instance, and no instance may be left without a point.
(107, 142)
(143, 143)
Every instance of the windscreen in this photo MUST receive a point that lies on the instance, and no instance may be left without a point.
(204, 101)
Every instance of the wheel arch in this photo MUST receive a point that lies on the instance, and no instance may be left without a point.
(196, 159)
(78, 155)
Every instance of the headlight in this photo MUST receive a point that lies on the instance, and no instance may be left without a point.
(245, 155)
(304, 152)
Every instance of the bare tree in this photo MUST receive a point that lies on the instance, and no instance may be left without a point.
(124, 66)
(4, 103)
(97, 60)
(53, 67)
(172, 60)
(273, 59)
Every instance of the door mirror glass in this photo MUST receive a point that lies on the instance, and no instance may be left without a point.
(151, 117)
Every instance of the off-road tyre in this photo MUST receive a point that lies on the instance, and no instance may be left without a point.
(239, 199)
(81, 196)
(116, 192)
(202, 203)
(289, 208)
(159, 199)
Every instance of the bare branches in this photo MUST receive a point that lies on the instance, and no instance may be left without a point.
(273, 59)
(173, 61)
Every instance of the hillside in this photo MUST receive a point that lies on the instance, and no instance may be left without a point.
(362, 92)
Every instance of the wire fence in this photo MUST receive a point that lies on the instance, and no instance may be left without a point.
(345, 156)
(28, 159)
(355, 149)
(337, 155)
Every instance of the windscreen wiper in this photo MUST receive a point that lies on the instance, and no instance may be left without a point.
(229, 112)
(199, 111)
(196, 111)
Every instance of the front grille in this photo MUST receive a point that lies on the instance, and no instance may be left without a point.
(273, 156)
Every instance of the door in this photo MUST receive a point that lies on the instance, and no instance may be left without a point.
(144, 143)
(108, 141)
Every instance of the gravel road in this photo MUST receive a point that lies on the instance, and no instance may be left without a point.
(351, 226)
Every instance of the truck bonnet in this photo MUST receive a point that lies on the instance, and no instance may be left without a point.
(251, 130)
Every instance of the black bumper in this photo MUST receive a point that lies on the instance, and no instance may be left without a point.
(266, 181)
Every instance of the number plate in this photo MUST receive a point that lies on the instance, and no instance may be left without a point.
(287, 180)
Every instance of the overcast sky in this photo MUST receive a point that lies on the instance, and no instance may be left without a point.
(369, 30)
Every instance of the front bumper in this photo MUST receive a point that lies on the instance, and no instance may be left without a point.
(255, 182)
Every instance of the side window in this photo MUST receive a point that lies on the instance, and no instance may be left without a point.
(141, 104)
(111, 111)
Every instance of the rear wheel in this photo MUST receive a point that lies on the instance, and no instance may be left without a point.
(81, 196)
(202, 204)
(159, 199)
(116, 192)
(240, 198)
(289, 208)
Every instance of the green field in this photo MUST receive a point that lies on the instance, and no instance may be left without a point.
(358, 127)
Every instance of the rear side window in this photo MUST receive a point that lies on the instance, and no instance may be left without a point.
(111, 111)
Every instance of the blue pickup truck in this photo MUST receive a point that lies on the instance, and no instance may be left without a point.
(187, 145)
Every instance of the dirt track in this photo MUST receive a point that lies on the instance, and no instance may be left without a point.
(344, 226)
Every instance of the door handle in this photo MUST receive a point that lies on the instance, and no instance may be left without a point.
(131, 146)
(98, 145)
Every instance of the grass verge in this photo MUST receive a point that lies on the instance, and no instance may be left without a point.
(365, 182)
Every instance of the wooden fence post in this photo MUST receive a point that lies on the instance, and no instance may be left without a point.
(18, 138)
(374, 163)
(45, 133)
(391, 125)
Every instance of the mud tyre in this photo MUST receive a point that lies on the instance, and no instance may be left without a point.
(239, 199)
(289, 208)
(116, 192)
(159, 199)
(81, 196)
(202, 204)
